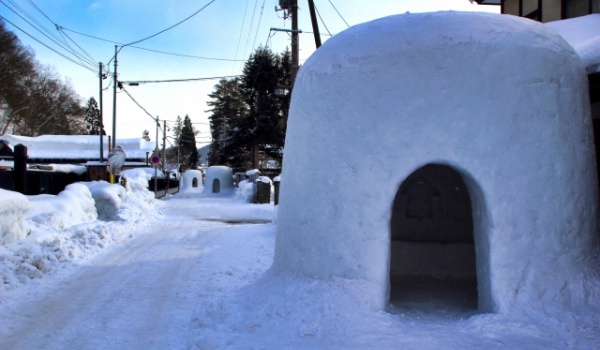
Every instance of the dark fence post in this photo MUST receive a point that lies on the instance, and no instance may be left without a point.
(276, 183)
(20, 169)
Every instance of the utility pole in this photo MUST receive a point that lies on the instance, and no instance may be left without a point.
(295, 39)
(114, 128)
(156, 152)
(315, 24)
(164, 153)
(290, 9)
(101, 76)
(164, 158)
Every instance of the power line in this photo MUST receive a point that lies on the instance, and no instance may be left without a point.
(262, 10)
(240, 36)
(84, 62)
(134, 82)
(151, 50)
(338, 12)
(324, 25)
(138, 104)
(50, 48)
(173, 26)
(39, 27)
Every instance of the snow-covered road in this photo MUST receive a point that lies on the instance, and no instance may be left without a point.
(143, 293)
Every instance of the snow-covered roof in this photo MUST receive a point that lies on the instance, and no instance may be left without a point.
(76, 146)
(583, 34)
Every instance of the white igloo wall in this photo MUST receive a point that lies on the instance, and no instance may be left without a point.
(218, 179)
(191, 180)
(501, 100)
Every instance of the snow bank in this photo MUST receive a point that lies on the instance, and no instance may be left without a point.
(107, 197)
(65, 227)
(72, 206)
(246, 191)
(13, 207)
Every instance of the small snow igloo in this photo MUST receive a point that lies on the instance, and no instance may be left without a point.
(447, 147)
(191, 180)
(218, 179)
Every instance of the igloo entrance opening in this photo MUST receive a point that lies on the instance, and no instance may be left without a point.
(216, 186)
(432, 265)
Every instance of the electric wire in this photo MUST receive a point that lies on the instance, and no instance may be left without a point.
(39, 27)
(173, 26)
(250, 28)
(139, 105)
(50, 48)
(151, 50)
(83, 61)
(237, 48)
(338, 12)
(321, 18)
(177, 80)
(262, 9)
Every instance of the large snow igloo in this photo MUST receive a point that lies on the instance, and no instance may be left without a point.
(445, 146)
(219, 178)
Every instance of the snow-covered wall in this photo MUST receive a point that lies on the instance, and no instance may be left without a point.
(501, 100)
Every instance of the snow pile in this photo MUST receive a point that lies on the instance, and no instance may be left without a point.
(246, 191)
(139, 199)
(139, 173)
(65, 227)
(70, 207)
(13, 207)
(189, 178)
(68, 168)
(107, 197)
(583, 33)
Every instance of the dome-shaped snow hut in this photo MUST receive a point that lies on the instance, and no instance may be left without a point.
(191, 180)
(218, 179)
(409, 154)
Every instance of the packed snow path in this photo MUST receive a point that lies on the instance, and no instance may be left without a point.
(143, 293)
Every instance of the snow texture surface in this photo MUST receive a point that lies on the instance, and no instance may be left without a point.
(501, 100)
(583, 33)
(13, 207)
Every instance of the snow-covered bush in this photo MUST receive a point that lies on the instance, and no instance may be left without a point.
(13, 207)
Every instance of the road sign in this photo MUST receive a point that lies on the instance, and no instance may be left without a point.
(155, 159)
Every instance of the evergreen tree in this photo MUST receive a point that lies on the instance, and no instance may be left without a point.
(228, 111)
(92, 118)
(146, 135)
(187, 144)
(173, 152)
(264, 73)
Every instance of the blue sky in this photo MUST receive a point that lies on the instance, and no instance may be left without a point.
(225, 33)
